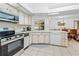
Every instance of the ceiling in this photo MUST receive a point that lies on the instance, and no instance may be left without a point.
(49, 5)
(55, 8)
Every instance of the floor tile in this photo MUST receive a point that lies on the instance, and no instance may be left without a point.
(50, 50)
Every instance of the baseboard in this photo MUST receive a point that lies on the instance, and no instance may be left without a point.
(47, 44)
(58, 45)
(39, 44)
(27, 47)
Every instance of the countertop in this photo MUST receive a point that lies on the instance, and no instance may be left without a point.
(43, 31)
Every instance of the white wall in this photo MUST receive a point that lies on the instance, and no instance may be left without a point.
(40, 17)
(51, 21)
(11, 26)
(69, 23)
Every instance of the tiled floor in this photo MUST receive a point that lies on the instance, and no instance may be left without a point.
(48, 50)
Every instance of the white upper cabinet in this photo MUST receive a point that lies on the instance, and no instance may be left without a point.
(13, 10)
(8, 8)
(24, 19)
(30, 20)
(21, 18)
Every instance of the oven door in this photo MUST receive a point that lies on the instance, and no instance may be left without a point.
(13, 47)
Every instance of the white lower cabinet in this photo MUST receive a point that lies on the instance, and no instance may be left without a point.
(58, 38)
(40, 37)
(26, 41)
(65, 39)
(46, 38)
(55, 38)
(35, 38)
(30, 38)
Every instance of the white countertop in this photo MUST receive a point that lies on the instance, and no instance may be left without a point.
(44, 31)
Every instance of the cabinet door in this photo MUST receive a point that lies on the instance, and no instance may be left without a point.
(12, 10)
(21, 18)
(8, 8)
(35, 38)
(64, 39)
(26, 20)
(46, 38)
(26, 41)
(29, 20)
(4, 7)
(55, 38)
(30, 38)
(41, 37)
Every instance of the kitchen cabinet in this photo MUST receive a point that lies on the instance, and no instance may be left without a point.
(24, 19)
(21, 18)
(58, 38)
(65, 41)
(27, 41)
(13, 10)
(29, 20)
(9, 9)
(40, 37)
(30, 38)
(46, 38)
(35, 37)
(55, 38)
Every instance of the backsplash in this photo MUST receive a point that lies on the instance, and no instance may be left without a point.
(11, 26)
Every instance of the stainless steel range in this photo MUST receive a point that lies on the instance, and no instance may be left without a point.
(10, 43)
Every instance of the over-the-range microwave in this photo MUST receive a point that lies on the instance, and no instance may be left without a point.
(8, 17)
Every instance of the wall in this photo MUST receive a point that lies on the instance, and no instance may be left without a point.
(11, 26)
(69, 23)
(51, 21)
(40, 17)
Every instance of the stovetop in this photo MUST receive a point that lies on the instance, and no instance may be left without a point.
(11, 37)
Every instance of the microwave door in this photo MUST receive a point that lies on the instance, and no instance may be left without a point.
(6, 16)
